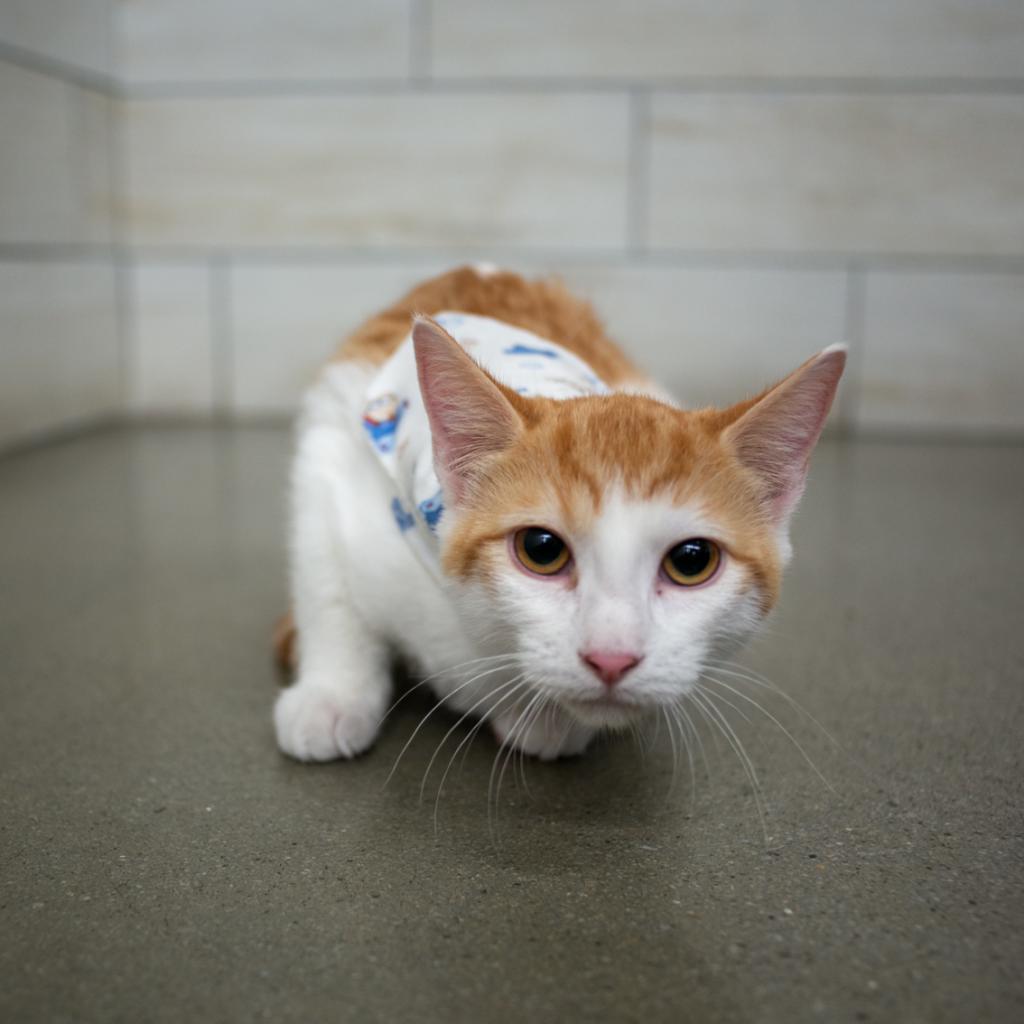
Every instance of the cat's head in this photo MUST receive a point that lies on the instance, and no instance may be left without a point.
(616, 543)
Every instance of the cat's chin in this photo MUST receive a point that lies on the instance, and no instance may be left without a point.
(603, 712)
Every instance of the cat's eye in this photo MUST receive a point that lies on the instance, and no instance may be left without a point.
(541, 551)
(691, 562)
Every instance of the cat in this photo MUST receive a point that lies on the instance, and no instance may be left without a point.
(554, 545)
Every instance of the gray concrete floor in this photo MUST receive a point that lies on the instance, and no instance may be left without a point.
(161, 861)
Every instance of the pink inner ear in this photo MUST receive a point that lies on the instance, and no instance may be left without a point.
(776, 435)
(470, 418)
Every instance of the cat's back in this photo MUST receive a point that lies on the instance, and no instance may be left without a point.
(543, 306)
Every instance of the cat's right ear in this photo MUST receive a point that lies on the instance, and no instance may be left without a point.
(470, 417)
(773, 435)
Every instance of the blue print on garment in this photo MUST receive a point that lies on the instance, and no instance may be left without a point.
(381, 418)
(528, 350)
(403, 520)
(431, 509)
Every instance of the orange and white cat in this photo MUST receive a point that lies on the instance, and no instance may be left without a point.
(487, 488)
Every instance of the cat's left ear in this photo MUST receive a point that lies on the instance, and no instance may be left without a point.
(471, 418)
(774, 434)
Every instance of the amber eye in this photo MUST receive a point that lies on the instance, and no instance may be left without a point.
(692, 562)
(541, 551)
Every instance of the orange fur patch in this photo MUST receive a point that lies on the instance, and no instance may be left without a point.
(544, 307)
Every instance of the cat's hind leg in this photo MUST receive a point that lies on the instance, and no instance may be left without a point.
(284, 645)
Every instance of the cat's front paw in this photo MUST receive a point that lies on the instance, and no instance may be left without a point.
(548, 737)
(314, 722)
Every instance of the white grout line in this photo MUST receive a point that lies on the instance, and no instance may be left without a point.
(853, 328)
(56, 252)
(126, 319)
(222, 368)
(83, 78)
(58, 433)
(124, 256)
(420, 47)
(421, 80)
(319, 255)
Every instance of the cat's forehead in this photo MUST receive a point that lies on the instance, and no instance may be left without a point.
(639, 440)
(657, 461)
(623, 513)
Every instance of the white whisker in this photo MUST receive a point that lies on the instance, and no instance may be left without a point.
(675, 756)
(737, 671)
(487, 696)
(684, 737)
(449, 669)
(701, 699)
(509, 742)
(468, 738)
(429, 714)
(696, 735)
(771, 717)
(534, 710)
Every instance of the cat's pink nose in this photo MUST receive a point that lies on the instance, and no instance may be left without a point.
(610, 666)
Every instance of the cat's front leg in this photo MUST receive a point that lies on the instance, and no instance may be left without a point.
(547, 736)
(336, 711)
(335, 707)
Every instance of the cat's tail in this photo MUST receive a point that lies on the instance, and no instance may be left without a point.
(284, 644)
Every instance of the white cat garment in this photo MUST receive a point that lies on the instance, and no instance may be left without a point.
(395, 420)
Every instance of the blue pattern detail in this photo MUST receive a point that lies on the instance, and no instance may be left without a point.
(520, 349)
(431, 510)
(403, 520)
(381, 418)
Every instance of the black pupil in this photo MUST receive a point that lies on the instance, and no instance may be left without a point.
(691, 557)
(542, 547)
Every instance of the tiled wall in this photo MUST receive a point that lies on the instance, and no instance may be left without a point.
(735, 184)
(59, 338)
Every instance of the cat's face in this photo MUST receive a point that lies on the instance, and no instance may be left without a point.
(615, 543)
(605, 564)
(612, 633)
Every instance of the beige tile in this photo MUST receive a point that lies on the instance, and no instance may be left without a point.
(58, 338)
(53, 164)
(224, 40)
(716, 336)
(944, 352)
(735, 38)
(172, 356)
(93, 127)
(850, 173)
(76, 32)
(287, 321)
(36, 178)
(399, 169)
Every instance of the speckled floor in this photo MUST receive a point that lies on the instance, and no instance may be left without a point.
(160, 861)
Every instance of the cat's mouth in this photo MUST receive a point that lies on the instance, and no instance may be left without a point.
(610, 709)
